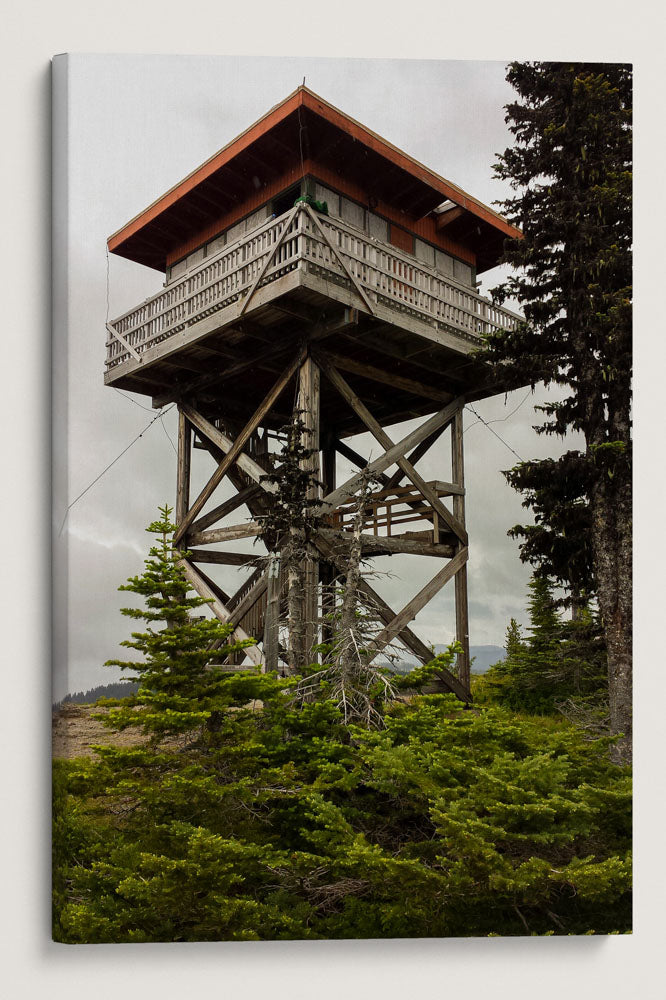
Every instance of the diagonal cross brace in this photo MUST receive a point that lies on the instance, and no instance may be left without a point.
(412, 608)
(404, 464)
(269, 260)
(387, 615)
(345, 492)
(217, 607)
(237, 447)
(341, 260)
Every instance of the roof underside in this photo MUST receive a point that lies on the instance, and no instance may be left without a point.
(302, 129)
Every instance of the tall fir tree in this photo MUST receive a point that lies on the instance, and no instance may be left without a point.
(571, 170)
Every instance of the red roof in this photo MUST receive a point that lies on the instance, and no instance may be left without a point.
(305, 134)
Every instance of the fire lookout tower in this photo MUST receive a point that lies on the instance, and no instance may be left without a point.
(310, 263)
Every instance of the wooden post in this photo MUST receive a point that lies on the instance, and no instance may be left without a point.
(184, 459)
(308, 403)
(272, 619)
(460, 584)
(326, 570)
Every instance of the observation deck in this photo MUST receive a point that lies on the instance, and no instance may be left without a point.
(297, 272)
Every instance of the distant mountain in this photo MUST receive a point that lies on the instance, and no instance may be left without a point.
(482, 656)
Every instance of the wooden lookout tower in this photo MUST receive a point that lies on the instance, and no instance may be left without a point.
(310, 264)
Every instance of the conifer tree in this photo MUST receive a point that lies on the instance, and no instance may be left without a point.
(179, 686)
(571, 170)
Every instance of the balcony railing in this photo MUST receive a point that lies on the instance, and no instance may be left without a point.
(391, 281)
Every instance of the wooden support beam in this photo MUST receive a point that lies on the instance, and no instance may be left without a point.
(345, 492)
(378, 545)
(225, 444)
(387, 615)
(309, 405)
(230, 505)
(229, 534)
(221, 558)
(415, 456)
(237, 447)
(391, 378)
(380, 434)
(336, 252)
(269, 260)
(462, 611)
(445, 219)
(121, 340)
(412, 608)
(202, 585)
(250, 599)
(184, 462)
(347, 452)
(345, 319)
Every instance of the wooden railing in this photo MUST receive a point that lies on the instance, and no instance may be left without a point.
(328, 247)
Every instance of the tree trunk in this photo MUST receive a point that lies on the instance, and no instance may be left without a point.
(611, 539)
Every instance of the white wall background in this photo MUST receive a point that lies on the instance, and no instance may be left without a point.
(629, 967)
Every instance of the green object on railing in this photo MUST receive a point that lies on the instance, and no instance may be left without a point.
(319, 206)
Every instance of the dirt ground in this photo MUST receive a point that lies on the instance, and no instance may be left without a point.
(74, 731)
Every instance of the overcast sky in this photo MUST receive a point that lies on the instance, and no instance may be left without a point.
(137, 125)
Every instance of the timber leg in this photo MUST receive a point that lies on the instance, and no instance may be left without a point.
(462, 611)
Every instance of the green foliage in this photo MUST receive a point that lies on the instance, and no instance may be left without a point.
(558, 660)
(253, 813)
(285, 823)
(180, 686)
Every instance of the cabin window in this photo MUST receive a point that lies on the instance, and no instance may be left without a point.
(286, 200)
(463, 272)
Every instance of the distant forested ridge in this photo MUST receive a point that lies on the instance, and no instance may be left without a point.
(117, 689)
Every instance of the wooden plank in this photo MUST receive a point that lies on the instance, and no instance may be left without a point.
(228, 534)
(184, 462)
(380, 434)
(380, 545)
(225, 444)
(412, 608)
(391, 378)
(203, 588)
(221, 558)
(230, 505)
(345, 492)
(237, 447)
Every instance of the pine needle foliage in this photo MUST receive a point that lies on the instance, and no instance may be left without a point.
(272, 817)
(180, 685)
